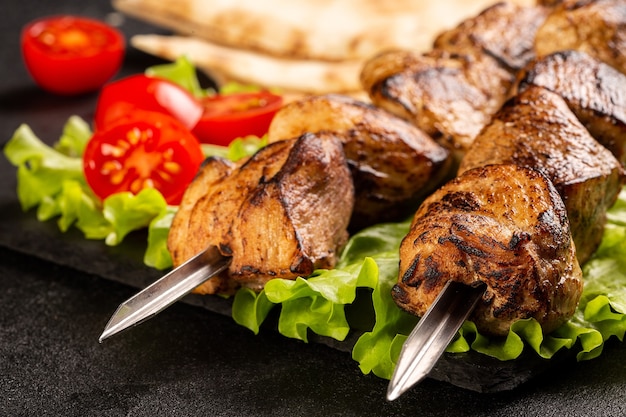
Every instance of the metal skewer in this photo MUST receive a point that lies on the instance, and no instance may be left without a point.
(432, 335)
(166, 291)
(419, 354)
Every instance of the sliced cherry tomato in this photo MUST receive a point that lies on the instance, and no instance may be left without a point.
(71, 55)
(144, 149)
(147, 93)
(230, 116)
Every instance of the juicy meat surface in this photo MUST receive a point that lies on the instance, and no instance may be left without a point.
(434, 92)
(502, 225)
(394, 164)
(537, 129)
(593, 90)
(452, 91)
(503, 31)
(596, 27)
(282, 213)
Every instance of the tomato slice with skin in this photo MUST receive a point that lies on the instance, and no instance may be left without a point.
(230, 116)
(70, 55)
(140, 91)
(142, 150)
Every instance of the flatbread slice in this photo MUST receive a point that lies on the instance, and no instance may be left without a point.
(229, 64)
(332, 30)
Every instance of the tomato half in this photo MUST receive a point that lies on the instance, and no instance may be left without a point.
(230, 116)
(120, 97)
(144, 149)
(71, 55)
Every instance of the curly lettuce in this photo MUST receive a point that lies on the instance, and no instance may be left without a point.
(371, 261)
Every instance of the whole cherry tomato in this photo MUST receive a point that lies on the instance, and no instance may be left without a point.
(120, 97)
(71, 55)
(230, 116)
(144, 149)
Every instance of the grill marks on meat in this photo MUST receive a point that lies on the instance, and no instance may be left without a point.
(594, 91)
(452, 91)
(537, 129)
(433, 92)
(282, 213)
(503, 32)
(394, 164)
(596, 27)
(501, 225)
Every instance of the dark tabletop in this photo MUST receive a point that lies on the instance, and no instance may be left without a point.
(58, 291)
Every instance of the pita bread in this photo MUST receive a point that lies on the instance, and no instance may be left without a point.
(304, 46)
(229, 64)
(327, 30)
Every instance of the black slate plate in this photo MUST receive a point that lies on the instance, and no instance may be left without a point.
(19, 231)
(124, 264)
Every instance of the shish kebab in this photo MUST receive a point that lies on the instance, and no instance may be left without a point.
(588, 177)
(103, 335)
(146, 304)
(286, 210)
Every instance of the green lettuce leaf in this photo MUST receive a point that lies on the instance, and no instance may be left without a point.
(181, 72)
(51, 179)
(237, 149)
(370, 260)
(157, 255)
(127, 212)
(42, 169)
(74, 138)
(252, 309)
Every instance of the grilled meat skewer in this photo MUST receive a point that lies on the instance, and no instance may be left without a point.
(593, 90)
(537, 129)
(452, 91)
(282, 213)
(394, 165)
(534, 129)
(502, 225)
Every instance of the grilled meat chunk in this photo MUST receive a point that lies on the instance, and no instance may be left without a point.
(394, 165)
(452, 91)
(505, 226)
(282, 213)
(537, 129)
(593, 90)
(434, 92)
(596, 27)
(504, 31)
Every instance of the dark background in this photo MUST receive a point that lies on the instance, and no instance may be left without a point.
(58, 291)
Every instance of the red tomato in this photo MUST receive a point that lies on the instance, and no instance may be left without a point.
(71, 55)
(230, 116)
(146, 93)
(144, 149)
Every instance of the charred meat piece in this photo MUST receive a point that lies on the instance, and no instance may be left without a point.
(394, 164)
(596, 27)
(282, 213)
(593, 90)
(452, 91)
(537, 129)
(502, 225)
(504, 32)
(183, 240)
(434, 93)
